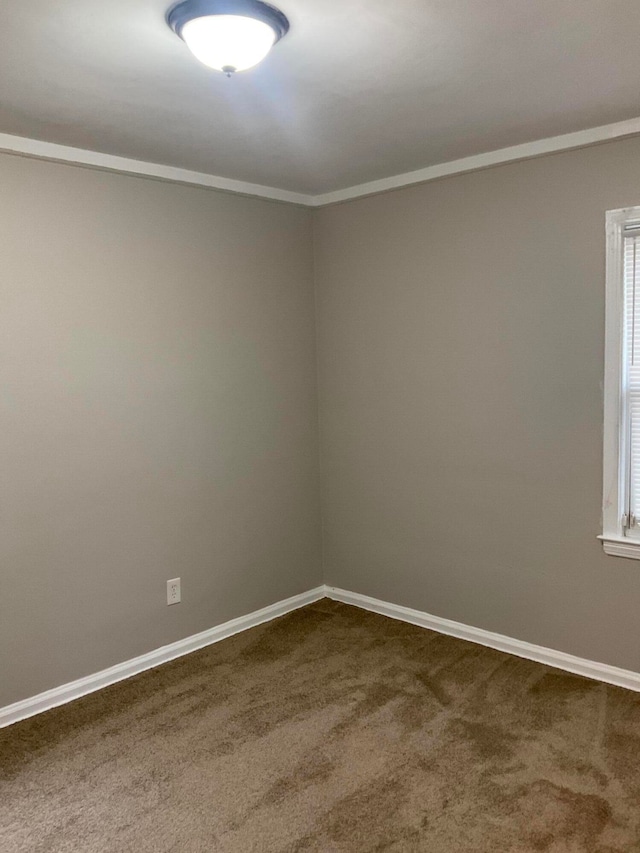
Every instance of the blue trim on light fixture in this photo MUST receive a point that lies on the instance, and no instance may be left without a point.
(186, 11)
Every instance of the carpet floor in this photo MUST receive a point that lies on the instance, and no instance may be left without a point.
(330, 729)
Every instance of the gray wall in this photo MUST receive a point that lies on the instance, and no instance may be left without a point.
(461, 335)
(157, 412)
(159, 417)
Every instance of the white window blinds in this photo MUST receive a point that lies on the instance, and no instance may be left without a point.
(630, 440)
(621, 435)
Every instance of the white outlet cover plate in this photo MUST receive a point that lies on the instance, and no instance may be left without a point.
(173, 591)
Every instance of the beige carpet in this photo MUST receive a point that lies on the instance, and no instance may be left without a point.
(330, 729)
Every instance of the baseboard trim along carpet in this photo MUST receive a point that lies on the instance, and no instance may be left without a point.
(570, 663)
(75, 689)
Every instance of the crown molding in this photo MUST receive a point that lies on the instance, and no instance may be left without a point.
(110, 162)
(525, 151)
(97, 160)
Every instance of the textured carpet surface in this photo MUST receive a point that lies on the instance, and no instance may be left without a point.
(330, 729)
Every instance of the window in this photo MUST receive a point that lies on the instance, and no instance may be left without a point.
(621, 502)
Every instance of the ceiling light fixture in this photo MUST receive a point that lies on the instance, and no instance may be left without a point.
(228, 35)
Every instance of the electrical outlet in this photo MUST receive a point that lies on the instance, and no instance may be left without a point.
(173, 591)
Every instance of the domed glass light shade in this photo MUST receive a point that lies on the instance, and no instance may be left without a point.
(228, 35)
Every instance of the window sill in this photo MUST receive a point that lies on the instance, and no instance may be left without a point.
(618, 546)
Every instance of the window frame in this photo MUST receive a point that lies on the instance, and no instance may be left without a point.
(616, 425)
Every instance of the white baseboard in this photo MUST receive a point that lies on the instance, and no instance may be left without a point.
(91, 683)
(75, 689)
(540, 654)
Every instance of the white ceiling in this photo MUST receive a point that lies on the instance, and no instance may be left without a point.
(358, 90)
